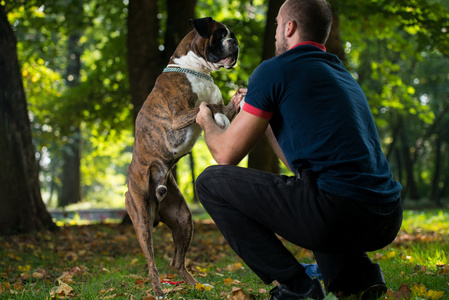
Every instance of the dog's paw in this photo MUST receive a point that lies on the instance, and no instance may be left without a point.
(161, 192)
(221, 120)
(242, 103)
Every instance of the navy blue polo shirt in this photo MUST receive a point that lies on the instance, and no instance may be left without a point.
(322, 121)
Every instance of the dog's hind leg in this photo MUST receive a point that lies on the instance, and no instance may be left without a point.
(141, 208)
(175, 213)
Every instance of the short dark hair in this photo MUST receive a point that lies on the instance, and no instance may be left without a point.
(312, 17)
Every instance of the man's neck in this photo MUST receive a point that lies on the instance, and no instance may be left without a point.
(318, 45)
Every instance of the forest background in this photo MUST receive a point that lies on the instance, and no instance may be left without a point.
(85, 67)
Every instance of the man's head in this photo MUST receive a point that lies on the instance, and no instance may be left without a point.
(311, 20)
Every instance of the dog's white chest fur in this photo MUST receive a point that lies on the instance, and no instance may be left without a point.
(207, 92)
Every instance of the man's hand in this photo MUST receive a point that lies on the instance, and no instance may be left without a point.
(238, 98)
(204, 115)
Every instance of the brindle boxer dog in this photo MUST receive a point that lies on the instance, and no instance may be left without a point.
(166, 130)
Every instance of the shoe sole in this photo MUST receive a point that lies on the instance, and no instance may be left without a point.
(374, 292)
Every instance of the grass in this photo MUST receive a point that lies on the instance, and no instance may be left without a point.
(104, 261)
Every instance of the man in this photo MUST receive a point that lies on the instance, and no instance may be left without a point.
(342, 200)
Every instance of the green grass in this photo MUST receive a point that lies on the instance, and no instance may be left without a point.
(104, 261)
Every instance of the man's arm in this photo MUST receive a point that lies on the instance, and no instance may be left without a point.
(229, 146)
(275, 145)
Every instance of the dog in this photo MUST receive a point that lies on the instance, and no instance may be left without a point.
(166, 130)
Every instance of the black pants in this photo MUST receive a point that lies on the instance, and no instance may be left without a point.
(250, 207)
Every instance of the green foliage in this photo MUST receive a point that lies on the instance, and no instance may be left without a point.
(100, 103)
(247, 21)
(388, 45)
(398, 52)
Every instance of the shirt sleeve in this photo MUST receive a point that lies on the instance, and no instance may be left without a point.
(263, 90)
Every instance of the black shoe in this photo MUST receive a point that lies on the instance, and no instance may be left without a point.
(369, 286)
(281, 292)
(373, 292)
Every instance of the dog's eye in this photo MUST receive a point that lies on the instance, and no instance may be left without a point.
(220, 34)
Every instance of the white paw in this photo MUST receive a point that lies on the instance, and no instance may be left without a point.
(221, 120)
(242, 103)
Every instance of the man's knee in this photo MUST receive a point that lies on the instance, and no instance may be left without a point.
(211, 182)
(203, 182)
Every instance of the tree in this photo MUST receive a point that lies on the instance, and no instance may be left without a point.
(388, 43)
(71, 174)
(21, 205)
(147, 56)
(262, 156)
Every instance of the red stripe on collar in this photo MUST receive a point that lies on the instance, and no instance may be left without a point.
(311, 43)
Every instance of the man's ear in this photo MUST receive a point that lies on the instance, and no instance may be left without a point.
(202, 26)
(290, 29)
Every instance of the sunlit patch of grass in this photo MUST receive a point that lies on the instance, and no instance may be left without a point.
(430, 220)
(430, 255)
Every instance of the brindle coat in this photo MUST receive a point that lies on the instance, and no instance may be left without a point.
(165, 131)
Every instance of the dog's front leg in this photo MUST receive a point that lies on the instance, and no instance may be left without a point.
(185, 118)
(229, 110)
(223, 114)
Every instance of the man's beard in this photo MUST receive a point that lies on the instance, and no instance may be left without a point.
(281, 46)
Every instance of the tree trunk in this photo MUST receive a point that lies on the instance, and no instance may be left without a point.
(334, 44)
(262, 156)
(435, 193)
(178, 15)
(145, 60)
(21, 205)
(411, 186)
(71, 174)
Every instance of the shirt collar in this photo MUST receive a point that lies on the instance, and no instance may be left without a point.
(311, 43)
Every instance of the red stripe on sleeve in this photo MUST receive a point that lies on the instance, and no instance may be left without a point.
(256, 111)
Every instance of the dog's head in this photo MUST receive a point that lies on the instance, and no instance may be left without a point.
(221, 45)
(214, 42)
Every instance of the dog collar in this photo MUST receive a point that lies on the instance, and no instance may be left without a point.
(191, 72)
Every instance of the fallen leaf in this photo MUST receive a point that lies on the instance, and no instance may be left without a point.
(443, 269)
(404, 292)
(66, 277)
(136, 277)
(18, 286)
(239, 294)
(71, 256)
(419, 268)
(203, 287)
(38, 275)
(61, 291)
(25, 268)
(24, 276)
(234, 267)
(418, 289)
(435, 294)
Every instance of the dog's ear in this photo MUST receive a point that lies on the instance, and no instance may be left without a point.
(202, 26)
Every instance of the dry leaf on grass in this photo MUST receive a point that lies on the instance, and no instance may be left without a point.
(239, 294)
(61, 291)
